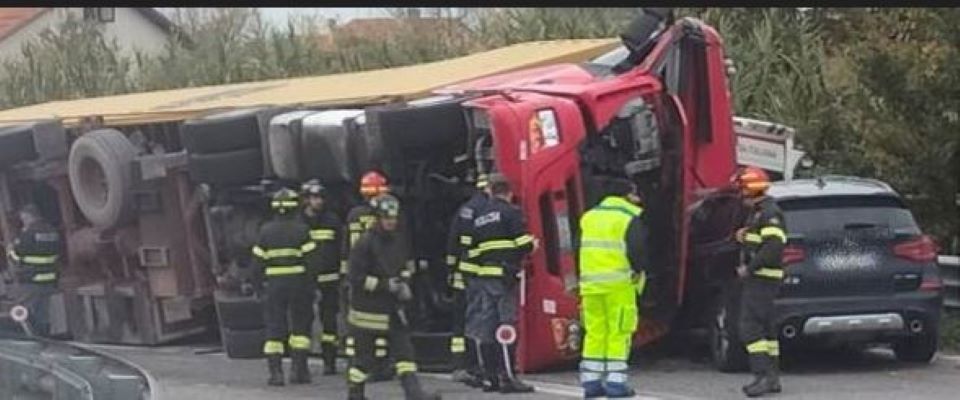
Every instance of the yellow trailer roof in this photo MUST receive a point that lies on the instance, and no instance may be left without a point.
(365, 87)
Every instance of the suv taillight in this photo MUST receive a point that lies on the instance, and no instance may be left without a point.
(793, 254)
(919, 249)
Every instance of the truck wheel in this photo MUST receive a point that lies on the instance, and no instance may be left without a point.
(728, 352)
(16, 145)
(284, 138)
(100, 167)
(239, 312)
(224, 132)
(917, 349)
(243, 343)
(230, 168)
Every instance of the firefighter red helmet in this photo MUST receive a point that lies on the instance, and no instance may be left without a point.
(752, 181)
(373, 184)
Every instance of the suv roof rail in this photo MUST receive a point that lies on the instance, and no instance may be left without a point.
(854, 179)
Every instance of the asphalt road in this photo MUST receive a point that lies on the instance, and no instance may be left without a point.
(875, 375)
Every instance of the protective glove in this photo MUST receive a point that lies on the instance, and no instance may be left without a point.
(399, 288)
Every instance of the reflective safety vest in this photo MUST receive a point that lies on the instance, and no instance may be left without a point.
(604, 265)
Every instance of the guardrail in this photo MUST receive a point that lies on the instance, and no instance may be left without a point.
(60, 371)
(950, 271)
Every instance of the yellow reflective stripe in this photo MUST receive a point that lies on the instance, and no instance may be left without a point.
(380, 342)
(523, 240)
(458, 344)
(370, 283)
(308, 246)
(322, 234)
(343, 267)
(486, 270)
(350, 351)
(13, 255)
(355, 375)
(299, 342)
(404, 367)
(458, 282)
(272, 347)
(452, 261)
(775, 273)
(329, 277)
(500, 244)
(284, 203)
(468, 267)
(291, 270)
(40, 259)
(752, 238)
(258, 251)
(380, 353)
(773, 348)
(774, 231)
(466, 240)
(625, 275)
(406, 273)
(328, 338)
(757, 347)
(45, 277)
(369, 320)
(349, 340)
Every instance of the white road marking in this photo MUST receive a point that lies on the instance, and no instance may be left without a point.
(556, 389)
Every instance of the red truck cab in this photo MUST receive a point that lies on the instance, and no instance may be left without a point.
(663, 120)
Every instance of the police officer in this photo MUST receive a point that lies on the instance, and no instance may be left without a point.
(763, 239)
(499, 242)
(35, 254)
(325, 231)
(612, 244)
(361, 219)
(282, 246)
(380, 267)
(466, 367)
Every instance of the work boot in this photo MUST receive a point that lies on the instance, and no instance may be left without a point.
(355, 391)
(299, 371)
(617, 390)
(513, 385)
(275, 364)
(760, 365)
(467, 378)
(775, 374)
(329, 358)
(593, 389)
(412, 389)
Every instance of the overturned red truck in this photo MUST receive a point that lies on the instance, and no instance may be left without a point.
(160, 215)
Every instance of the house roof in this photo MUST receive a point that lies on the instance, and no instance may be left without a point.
(13, 19)
(383, 28)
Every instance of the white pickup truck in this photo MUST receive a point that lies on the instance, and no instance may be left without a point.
(768, 145)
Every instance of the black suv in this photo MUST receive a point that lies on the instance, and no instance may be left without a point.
(857, 270)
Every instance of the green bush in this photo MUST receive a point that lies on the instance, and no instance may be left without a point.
(950, 333)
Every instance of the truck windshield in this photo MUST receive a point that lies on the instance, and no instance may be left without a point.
(820, 214)
(612, 57)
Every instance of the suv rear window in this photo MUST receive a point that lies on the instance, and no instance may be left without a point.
(835, 213)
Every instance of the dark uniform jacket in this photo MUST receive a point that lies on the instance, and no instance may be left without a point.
(499, 240)
(459, 239)
(36, 253)
(764, 241)
(325, 229)
(377, 257)
(359, 220)
(282, 246)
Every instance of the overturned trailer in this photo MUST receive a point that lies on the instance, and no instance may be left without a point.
(162, 192)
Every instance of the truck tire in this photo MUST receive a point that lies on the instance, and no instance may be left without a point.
(226, 169)
(326, 139)
(100, 167)
(16, 145)
(284, 137)
(239, 313)
(917, 349)
(223, 132)
(243, 344)
(727, 351)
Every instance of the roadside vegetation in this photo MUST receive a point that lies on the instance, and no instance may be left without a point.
(950, 333)
(872, 91)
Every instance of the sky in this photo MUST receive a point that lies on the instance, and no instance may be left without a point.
(278, 15)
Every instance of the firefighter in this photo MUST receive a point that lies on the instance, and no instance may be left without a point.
(380, 267)
(762, 240)
(466, 367)
(35, 254)
(360, 219)
(499, 242)
(282, 247)
(325, 231)
(611, 263)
